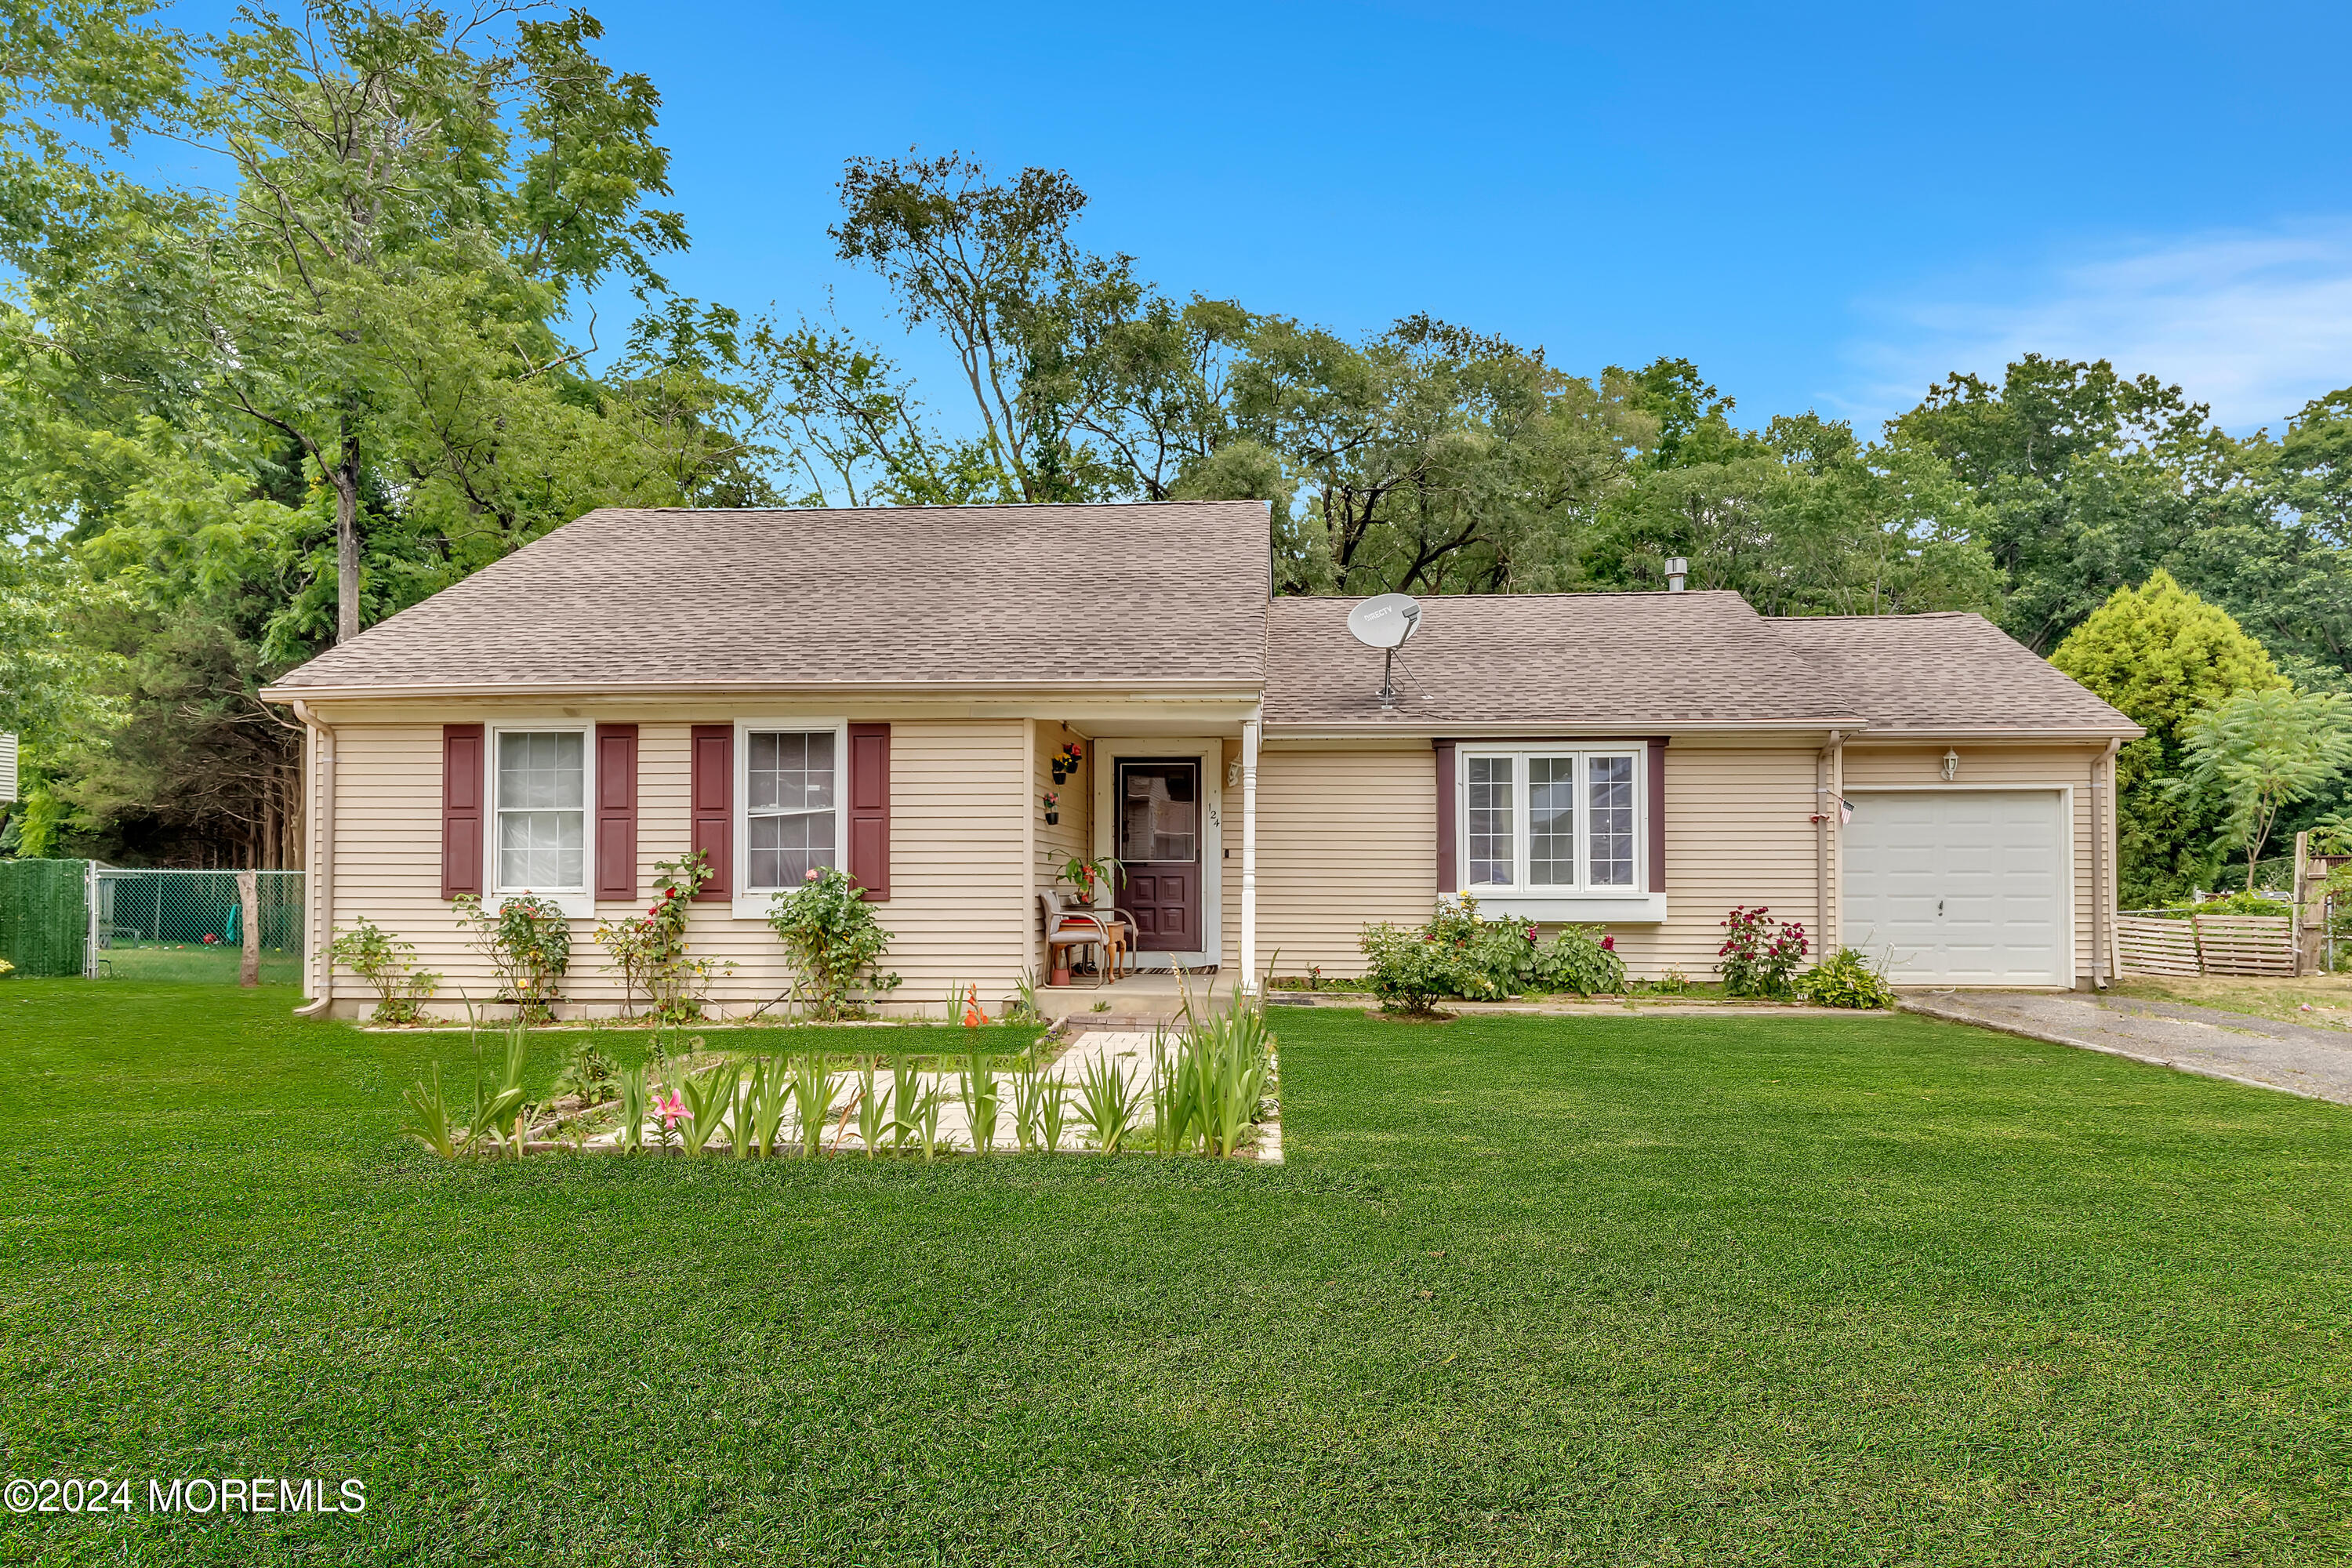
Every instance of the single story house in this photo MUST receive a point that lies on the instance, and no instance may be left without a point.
(886, 690)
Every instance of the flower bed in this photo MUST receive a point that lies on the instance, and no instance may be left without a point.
(1209, 1089)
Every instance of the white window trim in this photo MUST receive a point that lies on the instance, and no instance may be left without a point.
(577, 903)
(749, 905)
(1583, 902)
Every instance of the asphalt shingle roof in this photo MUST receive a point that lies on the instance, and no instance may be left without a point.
(1945, 672)
(1173, 591)
(1170, 592)
(1579, 660)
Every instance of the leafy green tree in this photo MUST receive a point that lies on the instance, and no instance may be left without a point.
(2087, 479)
(2259, 751)
(1029, 315)
(2273, 542)
(262, 419)
(1800, 518)
(2162, 656)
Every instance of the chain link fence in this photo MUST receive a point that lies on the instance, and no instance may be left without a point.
(189, 926)
(108, 922)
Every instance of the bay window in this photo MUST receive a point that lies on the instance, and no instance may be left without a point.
(1550, 823)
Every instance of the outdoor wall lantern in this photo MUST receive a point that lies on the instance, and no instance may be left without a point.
(1951, 765)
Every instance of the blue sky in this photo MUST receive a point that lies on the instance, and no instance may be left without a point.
(1825, 208)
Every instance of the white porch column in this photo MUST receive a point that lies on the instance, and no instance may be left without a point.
(1248, 983)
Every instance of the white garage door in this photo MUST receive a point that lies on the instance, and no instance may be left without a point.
(1959, 887)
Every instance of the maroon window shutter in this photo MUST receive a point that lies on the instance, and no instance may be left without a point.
(617, 811)
(461, 809)
(869, 809)
(1657, 793)
(713, 789)
(1446, 871)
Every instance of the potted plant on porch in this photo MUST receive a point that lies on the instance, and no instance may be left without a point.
(1090, 877)
(1086, 874)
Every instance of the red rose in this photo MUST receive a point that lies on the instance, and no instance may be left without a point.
(1607, 944)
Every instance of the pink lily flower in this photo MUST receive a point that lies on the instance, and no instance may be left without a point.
(672, 1110)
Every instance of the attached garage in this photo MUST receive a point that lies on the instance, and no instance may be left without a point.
(1961, 887)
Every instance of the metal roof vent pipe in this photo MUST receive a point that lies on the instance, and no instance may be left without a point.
(1677, 573)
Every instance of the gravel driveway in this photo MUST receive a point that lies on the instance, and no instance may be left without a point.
(2264, 1052)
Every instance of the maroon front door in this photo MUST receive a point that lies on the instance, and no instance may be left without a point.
(1160, 847)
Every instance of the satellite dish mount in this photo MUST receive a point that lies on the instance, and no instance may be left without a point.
(1386, 623)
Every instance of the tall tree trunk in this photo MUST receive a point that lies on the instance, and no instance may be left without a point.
(345, 478)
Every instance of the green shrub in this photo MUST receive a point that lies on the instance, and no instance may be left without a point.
(1576, 959)
(830, 934)
(1408, 969)
(1755, 958)
(383, 960)
(528, 942)
(1457, 954)
(2238, 903)
(650, 950)
(1849, 980)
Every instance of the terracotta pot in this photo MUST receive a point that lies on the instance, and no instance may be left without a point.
(1061, 977)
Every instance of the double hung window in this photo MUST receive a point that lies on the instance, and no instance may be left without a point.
(1545, 821)
(541, 787)
(790, 791)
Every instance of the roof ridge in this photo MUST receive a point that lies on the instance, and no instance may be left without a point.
(916, 506)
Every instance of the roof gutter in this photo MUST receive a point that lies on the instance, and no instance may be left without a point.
(2033, 737)
(933, 690)
(1423, 726)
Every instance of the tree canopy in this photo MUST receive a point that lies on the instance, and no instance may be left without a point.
(250, 413)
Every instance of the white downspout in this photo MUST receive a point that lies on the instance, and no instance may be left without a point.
(1248, 986)
(2101, 915)
(319, 926)
(1825, 793)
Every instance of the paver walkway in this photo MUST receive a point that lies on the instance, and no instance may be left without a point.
(2264, 1052)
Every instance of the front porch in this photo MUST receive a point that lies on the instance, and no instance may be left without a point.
(1164, 806)
(1135, 1001)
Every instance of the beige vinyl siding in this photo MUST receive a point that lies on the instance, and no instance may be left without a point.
(1351, 836)
(2001, 767)
(1343, 838)
(1070, 837)
(1740, 831)
(959, 910)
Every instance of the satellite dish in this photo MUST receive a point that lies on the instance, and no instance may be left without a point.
(1385, 622)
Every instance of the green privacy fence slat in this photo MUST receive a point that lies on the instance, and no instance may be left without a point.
(44, 915)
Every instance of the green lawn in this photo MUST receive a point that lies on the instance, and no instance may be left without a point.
(1743, 1291)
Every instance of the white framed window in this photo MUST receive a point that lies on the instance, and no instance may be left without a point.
(542, 778)
(790, 780)
(1551, 824)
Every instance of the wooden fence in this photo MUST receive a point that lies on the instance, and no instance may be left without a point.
(2206, 944)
